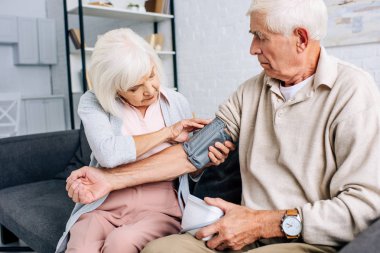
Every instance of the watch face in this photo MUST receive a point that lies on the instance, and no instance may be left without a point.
(291, 226)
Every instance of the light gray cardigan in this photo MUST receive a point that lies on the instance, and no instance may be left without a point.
(109, 147)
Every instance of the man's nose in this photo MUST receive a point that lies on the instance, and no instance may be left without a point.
(255, 47)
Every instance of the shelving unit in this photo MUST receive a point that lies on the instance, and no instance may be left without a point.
(89, 50)
(111, 12)
(132, 17)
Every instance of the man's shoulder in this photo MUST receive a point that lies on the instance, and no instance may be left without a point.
(352, 71)
(354, 91)
(355, 80)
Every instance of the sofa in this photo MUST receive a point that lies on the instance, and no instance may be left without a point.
(34, 206)
(33, 202)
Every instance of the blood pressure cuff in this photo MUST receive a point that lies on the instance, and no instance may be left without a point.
(197, 147)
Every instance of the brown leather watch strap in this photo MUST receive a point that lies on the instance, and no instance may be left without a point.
(292, 212)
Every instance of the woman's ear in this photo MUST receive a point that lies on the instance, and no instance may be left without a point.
(302, 36)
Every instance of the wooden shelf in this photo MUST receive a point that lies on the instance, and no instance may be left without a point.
(112, 12)
(165, 52)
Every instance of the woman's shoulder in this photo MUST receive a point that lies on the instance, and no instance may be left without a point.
(173, 96)
(176, 100)
(88, 96)
(89, 102)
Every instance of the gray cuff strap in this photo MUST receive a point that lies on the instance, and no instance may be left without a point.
(197, 147)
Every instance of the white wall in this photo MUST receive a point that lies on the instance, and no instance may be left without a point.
(23, 8)
(213, 51)
(29, 80)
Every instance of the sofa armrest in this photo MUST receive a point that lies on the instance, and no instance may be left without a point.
(366, 242)
(31, 158)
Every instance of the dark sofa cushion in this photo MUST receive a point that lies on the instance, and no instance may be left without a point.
(367, 242)
(36, 212)
(37, 157)
(81, 157)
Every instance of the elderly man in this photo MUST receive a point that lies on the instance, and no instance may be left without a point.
(309, 137)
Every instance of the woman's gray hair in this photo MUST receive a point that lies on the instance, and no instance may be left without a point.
(283, 16)
(121, 58)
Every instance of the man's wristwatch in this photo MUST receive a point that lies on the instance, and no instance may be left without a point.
(291, 224)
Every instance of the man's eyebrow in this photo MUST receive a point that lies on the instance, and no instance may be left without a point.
(257, 34)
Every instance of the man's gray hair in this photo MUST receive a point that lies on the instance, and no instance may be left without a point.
(283, 16)
(121, 58)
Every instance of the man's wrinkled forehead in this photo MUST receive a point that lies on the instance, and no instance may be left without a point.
(257, 23)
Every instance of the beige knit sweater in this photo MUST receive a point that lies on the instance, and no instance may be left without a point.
(319, 152)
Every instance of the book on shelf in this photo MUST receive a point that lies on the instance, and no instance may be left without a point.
(166, 7)
(100, 3)
(150, 5)
(158, 6)
(74, 34)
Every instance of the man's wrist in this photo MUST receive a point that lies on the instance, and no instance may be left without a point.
(117, 178)
(272, 226)
(110, 178)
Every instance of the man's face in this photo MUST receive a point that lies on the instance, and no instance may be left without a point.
(276, 53)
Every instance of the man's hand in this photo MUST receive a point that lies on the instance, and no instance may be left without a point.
(219, 153)
(180, 131)
(240, 226)
(88, 184)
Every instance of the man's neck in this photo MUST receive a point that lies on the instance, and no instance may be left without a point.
(308, 68)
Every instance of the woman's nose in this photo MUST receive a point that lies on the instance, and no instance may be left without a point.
(149, 90)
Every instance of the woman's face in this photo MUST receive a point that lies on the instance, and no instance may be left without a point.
(145, 92)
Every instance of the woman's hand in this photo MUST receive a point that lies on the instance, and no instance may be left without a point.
(180, 131)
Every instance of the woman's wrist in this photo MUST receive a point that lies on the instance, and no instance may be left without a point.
(167, 134)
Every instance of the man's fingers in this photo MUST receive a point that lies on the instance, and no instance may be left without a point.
(69, 182)
(217, 242)
(214, 161)
(74, 176)
(85, 197)
(75, 197)
(218, 202)
(230, 145)
(222, 148)
(213, 229)
(219, 155)
(72, 188)
(207, 231)
(221, 247)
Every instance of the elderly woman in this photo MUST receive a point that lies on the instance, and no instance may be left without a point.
(128, 116)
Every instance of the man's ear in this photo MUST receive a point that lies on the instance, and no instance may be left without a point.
(302, 36)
